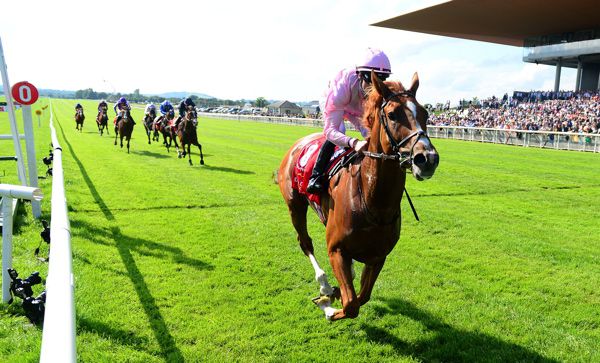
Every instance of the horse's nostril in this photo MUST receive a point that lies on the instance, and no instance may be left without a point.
(419, 159)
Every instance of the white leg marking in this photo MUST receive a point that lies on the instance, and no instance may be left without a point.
(321, 277)
(327, 309)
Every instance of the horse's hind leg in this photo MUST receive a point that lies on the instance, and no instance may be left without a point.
(298, 207)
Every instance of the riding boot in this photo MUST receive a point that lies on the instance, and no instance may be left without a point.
(318, 181)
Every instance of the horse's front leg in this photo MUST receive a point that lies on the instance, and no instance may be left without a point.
(367, 280)
(189, 152)
(342, 268)
(116, 135)
(201, 156)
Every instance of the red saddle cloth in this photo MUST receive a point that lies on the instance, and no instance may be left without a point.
(304, 167)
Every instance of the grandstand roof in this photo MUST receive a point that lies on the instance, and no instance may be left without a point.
(499, 21)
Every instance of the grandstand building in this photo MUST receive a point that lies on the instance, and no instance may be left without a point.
(557, 33)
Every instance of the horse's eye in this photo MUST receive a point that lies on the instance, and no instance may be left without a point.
(391, 116)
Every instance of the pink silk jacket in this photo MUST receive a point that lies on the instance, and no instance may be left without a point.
(342, 100)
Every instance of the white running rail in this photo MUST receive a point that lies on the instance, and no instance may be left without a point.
(58, 337)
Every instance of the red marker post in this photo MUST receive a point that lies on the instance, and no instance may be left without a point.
(26, 94)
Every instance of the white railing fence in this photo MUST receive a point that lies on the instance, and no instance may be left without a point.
(543, 139)
(58, 337)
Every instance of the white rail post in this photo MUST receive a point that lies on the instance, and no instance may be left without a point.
(7, 222)
(31, 159)
(10, 192)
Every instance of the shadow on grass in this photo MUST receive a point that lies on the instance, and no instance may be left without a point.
(169, 350)
(123, 337)
(152, 154)
(139, 245)
(447, 344)
(228, 170)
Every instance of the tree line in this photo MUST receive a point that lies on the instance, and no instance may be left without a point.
(136, 97)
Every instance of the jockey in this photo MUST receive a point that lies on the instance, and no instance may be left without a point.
(102, 105)
(343, 99)
(165, 108)
(183, 105)
(120, 106)
(150, 110)
(79, 107)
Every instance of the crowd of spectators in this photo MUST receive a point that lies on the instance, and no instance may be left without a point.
(564, 111)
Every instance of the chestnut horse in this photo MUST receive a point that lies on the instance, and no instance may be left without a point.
(124, 127)
(102, 120)
(79, 117)
(148, 122)
(362, 206)
(188, 136)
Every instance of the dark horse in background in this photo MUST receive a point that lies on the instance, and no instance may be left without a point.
(187, 134)
(102, 120)
(123, 127)
(362, 205)
(79, 117)
(149, 125)
(161, 125)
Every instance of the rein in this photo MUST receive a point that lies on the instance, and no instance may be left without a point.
(402, 157)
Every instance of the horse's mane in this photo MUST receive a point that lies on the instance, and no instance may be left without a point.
(374, 100)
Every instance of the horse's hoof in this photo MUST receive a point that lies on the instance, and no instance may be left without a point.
(201, 162)
(320, 300)
(190, 162)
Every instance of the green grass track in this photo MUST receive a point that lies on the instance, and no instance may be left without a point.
(200, 263)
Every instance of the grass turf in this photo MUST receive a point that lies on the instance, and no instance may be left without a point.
(201, 263)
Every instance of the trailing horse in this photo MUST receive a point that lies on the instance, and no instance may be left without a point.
(79, 117)
(149, 126)
(124, 127)
(361, 210)
(162, 126)
(102, 120)
(188, 136)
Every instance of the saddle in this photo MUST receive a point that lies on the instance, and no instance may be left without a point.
(306, 162)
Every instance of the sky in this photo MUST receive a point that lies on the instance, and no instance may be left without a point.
(279, 50)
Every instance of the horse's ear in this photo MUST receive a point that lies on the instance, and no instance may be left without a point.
(380, 87)
(414, 85)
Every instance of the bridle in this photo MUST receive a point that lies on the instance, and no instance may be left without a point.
(404, 158)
